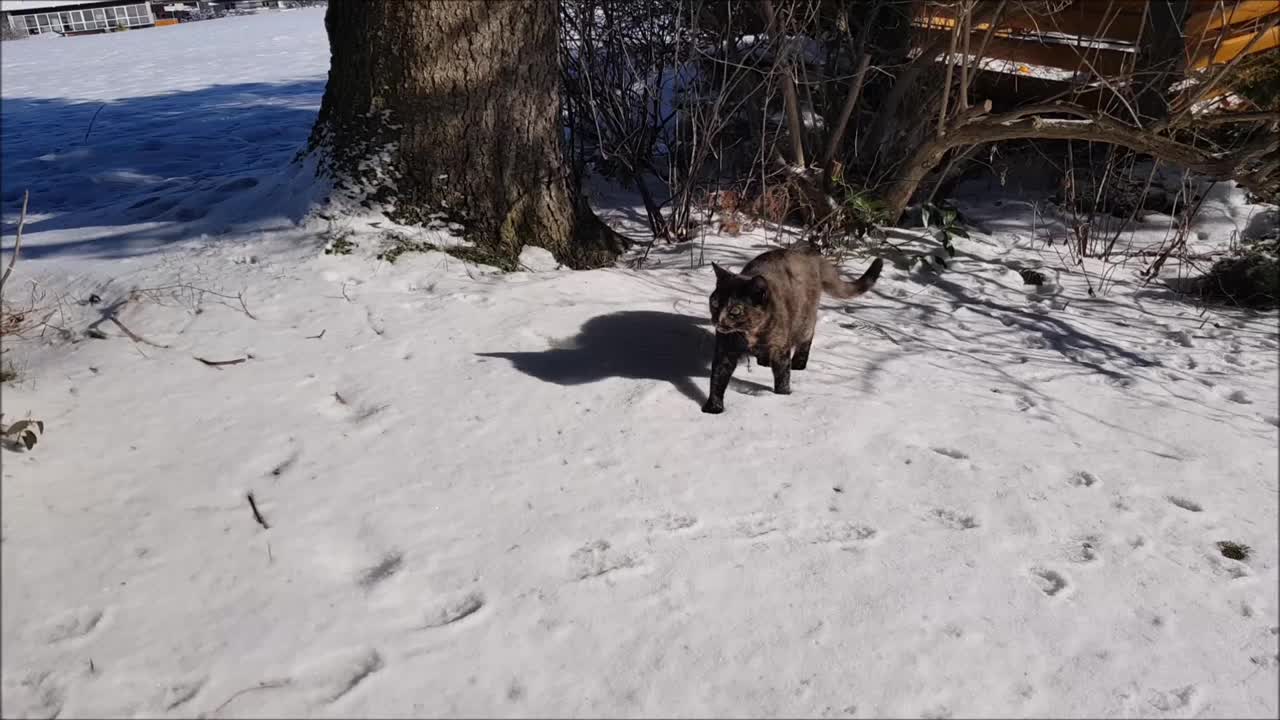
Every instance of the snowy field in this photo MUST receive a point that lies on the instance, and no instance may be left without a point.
(495, 495)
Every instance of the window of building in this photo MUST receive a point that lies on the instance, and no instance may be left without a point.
(135, 15)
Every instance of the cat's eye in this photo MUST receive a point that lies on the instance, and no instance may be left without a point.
(736, 311)
(715, 303)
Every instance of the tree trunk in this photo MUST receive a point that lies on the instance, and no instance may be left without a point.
(1161, 59)
(452, 108)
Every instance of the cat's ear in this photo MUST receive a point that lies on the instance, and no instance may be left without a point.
(722, 275)
(759, 289)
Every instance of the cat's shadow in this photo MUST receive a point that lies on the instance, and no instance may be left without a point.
(638, 344)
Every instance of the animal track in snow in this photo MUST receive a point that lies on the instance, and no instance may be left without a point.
(335, 676)
(1083, 478)
(951, 453)
(237, 185)
(74, 624)
(955, 520)
(845, 533)
(598, 558)
(1050, 582)
(1239, 397)
(45, 698)
(181, 693)
(388, 566)
(1084, 549)
(451, 611)
(366, 665)
(671, 522)
(754, 527)
(1173, 700)
(1184, 503)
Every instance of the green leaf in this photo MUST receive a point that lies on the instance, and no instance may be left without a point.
(949, 216)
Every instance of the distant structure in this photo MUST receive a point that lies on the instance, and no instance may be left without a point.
(75, 17)
(83, 17)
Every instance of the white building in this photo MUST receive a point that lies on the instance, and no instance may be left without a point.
(73, 17)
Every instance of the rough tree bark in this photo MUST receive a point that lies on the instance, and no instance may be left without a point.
(452, 107)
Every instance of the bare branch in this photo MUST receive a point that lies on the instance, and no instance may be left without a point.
(17, 241)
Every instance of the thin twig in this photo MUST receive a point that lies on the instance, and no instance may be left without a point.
(17, 241)
(1209, 86)
(91, 121)
(265, 685)
(316, 337)
(133, 335)
(253, 505)
(245, 307)
(220, 363)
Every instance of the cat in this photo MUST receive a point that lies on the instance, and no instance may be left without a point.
(770, 310)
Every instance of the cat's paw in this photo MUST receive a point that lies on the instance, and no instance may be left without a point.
(782, 389)
(713, 407)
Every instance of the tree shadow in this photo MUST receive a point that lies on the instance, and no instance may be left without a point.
(635, 344)
(147, 171)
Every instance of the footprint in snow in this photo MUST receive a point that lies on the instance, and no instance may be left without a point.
(1239, 397)
(1175, 700)
(450, 611)
(73, 624)
(237, 185)
(1050, 582)
(334, 677)
(38, 694)
(1084, 550)
(1083, 478)
(671, 522)
(955, 519)
(598, 558)
(754, 527)
(180, 693)
(389, 565)
(846, 533)
(1184, 503)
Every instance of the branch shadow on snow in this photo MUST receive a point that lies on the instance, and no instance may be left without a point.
(128, 176)
(634, 344)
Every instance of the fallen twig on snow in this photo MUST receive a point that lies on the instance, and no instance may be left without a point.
(264, 685)
(253, 505)
(220, 363)
(155, 294)
(315, 337)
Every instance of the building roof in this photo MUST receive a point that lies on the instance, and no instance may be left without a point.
(20, 5)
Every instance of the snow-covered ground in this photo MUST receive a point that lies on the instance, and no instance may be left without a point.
(488, 494)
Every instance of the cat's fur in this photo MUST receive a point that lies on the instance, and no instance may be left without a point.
(770, 310)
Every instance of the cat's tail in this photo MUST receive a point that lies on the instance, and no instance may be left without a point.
(837, 287)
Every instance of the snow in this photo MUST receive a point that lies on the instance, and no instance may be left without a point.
(494, 494)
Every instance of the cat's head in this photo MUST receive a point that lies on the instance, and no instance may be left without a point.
(739, 304)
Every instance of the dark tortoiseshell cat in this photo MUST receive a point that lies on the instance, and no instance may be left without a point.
(770, 310)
